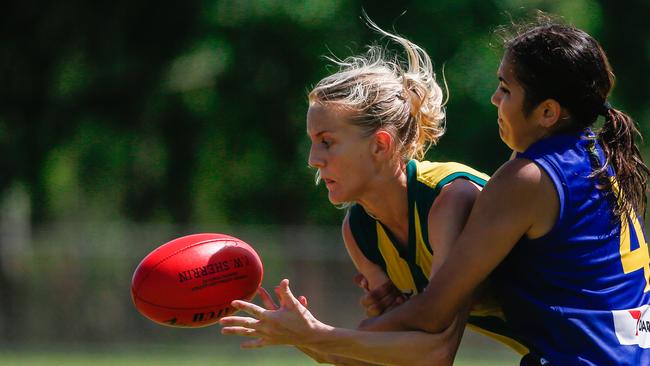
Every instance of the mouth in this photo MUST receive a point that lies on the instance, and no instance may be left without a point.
(328, 182)
(500, 123)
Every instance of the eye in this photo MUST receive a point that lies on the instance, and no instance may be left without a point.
(504, 90)
(327, 143)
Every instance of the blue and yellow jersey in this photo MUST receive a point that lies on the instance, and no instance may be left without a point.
(579, 295)
(409, 266)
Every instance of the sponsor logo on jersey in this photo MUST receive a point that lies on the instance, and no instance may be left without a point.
(632, 326)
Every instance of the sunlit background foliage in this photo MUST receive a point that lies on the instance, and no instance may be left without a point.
(194, 111)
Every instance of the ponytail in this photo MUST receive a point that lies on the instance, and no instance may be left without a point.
(621, 152)
(562, 62)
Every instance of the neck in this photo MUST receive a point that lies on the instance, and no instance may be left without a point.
(387, 200)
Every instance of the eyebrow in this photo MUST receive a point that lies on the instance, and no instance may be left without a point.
(501, 79)
(319, 133)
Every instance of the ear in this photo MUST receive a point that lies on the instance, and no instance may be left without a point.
(383, 146)
(549, 112)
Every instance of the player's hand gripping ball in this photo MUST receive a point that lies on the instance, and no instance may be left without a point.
(191, 281)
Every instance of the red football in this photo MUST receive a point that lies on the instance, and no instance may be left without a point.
(191, 281)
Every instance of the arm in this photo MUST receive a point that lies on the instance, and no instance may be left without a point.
(381, 294)
(452, 207)
(293, 324)
(519, 200)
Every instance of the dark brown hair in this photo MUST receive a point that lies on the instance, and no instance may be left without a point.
(561, 62)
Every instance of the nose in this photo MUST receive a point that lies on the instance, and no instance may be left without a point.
(496, 97)
(315, 160)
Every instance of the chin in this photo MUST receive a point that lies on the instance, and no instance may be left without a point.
(336, 199)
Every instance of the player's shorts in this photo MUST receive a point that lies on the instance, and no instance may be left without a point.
(532, 359)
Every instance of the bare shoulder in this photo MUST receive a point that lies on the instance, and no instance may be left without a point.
(518, 171)
(523, 185)
(452, 206)
(457, 191)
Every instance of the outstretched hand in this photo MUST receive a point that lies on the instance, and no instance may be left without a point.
(290, 323)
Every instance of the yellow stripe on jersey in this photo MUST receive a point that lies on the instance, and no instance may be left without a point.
(396, 268)
(432, 174)
(423, 257)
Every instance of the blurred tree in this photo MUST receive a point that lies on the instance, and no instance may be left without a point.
(194, 111)
(71, 67)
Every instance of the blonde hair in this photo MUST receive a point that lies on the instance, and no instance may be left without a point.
(399, 97)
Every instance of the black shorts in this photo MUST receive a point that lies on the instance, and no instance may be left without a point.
(533, 359)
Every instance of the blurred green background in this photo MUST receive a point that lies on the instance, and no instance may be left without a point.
(124, 124)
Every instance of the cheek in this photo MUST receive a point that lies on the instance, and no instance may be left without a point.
(510, 116)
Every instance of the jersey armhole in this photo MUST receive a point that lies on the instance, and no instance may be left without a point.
(560, 189)
(363, 229)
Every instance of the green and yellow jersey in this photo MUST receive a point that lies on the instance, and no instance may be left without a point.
(409, 266)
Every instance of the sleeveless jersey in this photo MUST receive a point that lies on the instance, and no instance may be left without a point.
(579, 294)
(409, 267)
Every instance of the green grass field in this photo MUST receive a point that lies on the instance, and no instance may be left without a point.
(475, 351)
(54, 358)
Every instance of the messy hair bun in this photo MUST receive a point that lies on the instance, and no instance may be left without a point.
(401, 97)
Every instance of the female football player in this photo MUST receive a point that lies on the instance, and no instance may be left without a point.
(370, 125)
(562, 222)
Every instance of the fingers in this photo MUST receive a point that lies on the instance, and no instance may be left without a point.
(361, 281)
(373, 311)
(384, 306)
(239, 325)
(238, 321)
(302, 300)
(286, 297)
(254, 310)
(267, 299)
(398, 301)
(382, 298)
(384, 294)
(240, 331)
(389, 300)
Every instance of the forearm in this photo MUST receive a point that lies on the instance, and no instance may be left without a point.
(402, 318)
(332, 359)
(388, 348)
